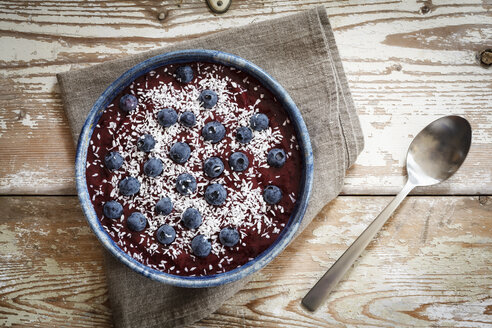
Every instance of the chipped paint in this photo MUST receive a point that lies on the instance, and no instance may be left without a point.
(402, 76)
(403, 68)
(27, 121)
(33, 181)
(52, 268)
(8, 243)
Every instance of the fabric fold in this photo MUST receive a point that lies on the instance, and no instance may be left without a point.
(300, 52)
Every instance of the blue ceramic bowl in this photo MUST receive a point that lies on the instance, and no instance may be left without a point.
(180, 57)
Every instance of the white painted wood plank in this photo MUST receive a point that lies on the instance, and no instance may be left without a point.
(429, 266)
(404, 68)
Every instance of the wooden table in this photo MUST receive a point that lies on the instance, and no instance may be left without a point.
(407, 63)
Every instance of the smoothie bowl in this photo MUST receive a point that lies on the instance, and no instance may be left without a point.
(194, 168)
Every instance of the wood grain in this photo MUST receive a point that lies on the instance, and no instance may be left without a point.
(51, 265)
(429, 267)
(407, 63)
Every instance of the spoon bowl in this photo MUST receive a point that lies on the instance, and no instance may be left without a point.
(434, 155)
(438, 150)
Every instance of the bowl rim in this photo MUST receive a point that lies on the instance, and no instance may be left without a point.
(179, 57)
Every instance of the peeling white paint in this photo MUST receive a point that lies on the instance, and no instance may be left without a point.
(3, 124)
(35, 180)
(441, 81)
(27, 121)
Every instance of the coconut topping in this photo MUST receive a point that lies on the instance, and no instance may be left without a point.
(239, 97)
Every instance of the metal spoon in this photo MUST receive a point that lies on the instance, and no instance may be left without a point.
(434, 155)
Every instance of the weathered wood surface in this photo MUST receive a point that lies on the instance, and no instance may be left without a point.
(407, 63)
(430, 266)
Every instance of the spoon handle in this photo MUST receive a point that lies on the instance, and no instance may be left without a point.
(330, 279)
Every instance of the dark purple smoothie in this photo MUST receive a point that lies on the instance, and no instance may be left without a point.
(239, 97)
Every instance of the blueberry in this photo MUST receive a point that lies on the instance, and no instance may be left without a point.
(167, 117)
(153, 167)
(244, 134)
(112, 210)
(229, 237)
(180, 152)
(208, 98)
(213, 131)
(238, 161)
(113, 160)
(276, 157)
(259, 122)
(128, 103)
(164, 206)
(184, 74)
(165, 234)
(187, 119)
(272, 194)
(215, 194)
(129, 186)
(136, 221)
(213, 167)
(146, 143)
(191, 218)
(185, 184)
(201, 246)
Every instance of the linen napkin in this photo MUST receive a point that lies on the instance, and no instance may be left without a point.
(300, 52)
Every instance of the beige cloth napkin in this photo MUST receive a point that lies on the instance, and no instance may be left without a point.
(300, 52)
